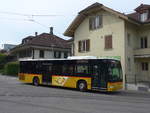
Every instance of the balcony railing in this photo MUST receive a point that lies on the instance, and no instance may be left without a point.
(142, 51)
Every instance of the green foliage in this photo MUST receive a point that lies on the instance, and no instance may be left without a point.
(2, 60)
(11, 68)
(2, 57)
(1, 71)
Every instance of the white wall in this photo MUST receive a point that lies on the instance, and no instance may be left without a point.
(47, 54)
(112, 25)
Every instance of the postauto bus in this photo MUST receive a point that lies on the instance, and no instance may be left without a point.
(83, 73)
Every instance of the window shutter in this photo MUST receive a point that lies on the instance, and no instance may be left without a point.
(108, 42)
(142, 66)
(79, 46)
(145, 40)
(142, 42)
(94, 22)
(90, 23)
(100, 20)
(146, 66)
(59, 54)
(54, 54)
(88, 45)
(41, 55)
(83, 44)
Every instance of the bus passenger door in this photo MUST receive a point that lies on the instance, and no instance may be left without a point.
(99, 77)
(103, 77)
(46, 75)
(96, 78)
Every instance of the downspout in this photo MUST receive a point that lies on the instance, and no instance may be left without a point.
(33, 53)
(125, 53)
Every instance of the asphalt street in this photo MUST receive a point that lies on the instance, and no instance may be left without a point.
(17, 97)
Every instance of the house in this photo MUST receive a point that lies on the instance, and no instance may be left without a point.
(101, 31)
(43, 46)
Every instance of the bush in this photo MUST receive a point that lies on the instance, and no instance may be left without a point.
(2, 57)
(1, 71)
(2, 60)
(11, 68)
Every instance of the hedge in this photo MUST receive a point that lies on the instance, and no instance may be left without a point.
(2, 60)
(11, 68)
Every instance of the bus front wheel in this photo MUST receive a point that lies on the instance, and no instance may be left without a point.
(82, 86)
(35, 81)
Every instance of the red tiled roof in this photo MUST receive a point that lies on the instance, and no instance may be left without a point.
(48, 40)
(134, 16)
(44, 40)
(142, 6)
(89, 10)
(91, 7)
(140, 9)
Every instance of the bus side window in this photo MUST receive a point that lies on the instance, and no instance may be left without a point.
(39, 67)
(57, 69)
(22, 67)
(95, 69)
(49, 68)
(67, 69)
(82, 69)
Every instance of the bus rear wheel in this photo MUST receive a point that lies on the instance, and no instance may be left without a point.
(82, 86)
(36, 81)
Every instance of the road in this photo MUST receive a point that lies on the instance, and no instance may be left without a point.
(16, 97)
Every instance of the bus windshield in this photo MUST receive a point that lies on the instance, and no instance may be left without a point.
(115, 71)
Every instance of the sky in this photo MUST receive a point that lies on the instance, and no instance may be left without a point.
(22, 18)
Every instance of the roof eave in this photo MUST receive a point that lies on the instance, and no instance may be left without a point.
(71, 29)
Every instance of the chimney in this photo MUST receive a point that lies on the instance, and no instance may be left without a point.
(51, 30)
(36, 33)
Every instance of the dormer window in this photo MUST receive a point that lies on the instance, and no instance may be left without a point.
(144, 16)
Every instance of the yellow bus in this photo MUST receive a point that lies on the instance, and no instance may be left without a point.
(81, 73)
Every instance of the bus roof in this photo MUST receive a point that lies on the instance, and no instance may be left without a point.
(71, 58)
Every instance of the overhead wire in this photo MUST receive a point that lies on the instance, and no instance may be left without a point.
(39, 23)
(33, 15)
(30, 17)
(14, 13)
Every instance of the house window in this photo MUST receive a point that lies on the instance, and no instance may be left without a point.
(143, 16)
(57, 54)
(25, 53)
(84, 46)
(65, 54)
(144, 66)
(95, 22)
(129, 64)
(41, 55)
(144, 42)
(72, 49)
(108, 42)
(128, 38)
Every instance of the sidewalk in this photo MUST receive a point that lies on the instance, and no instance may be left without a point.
(135, 93)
